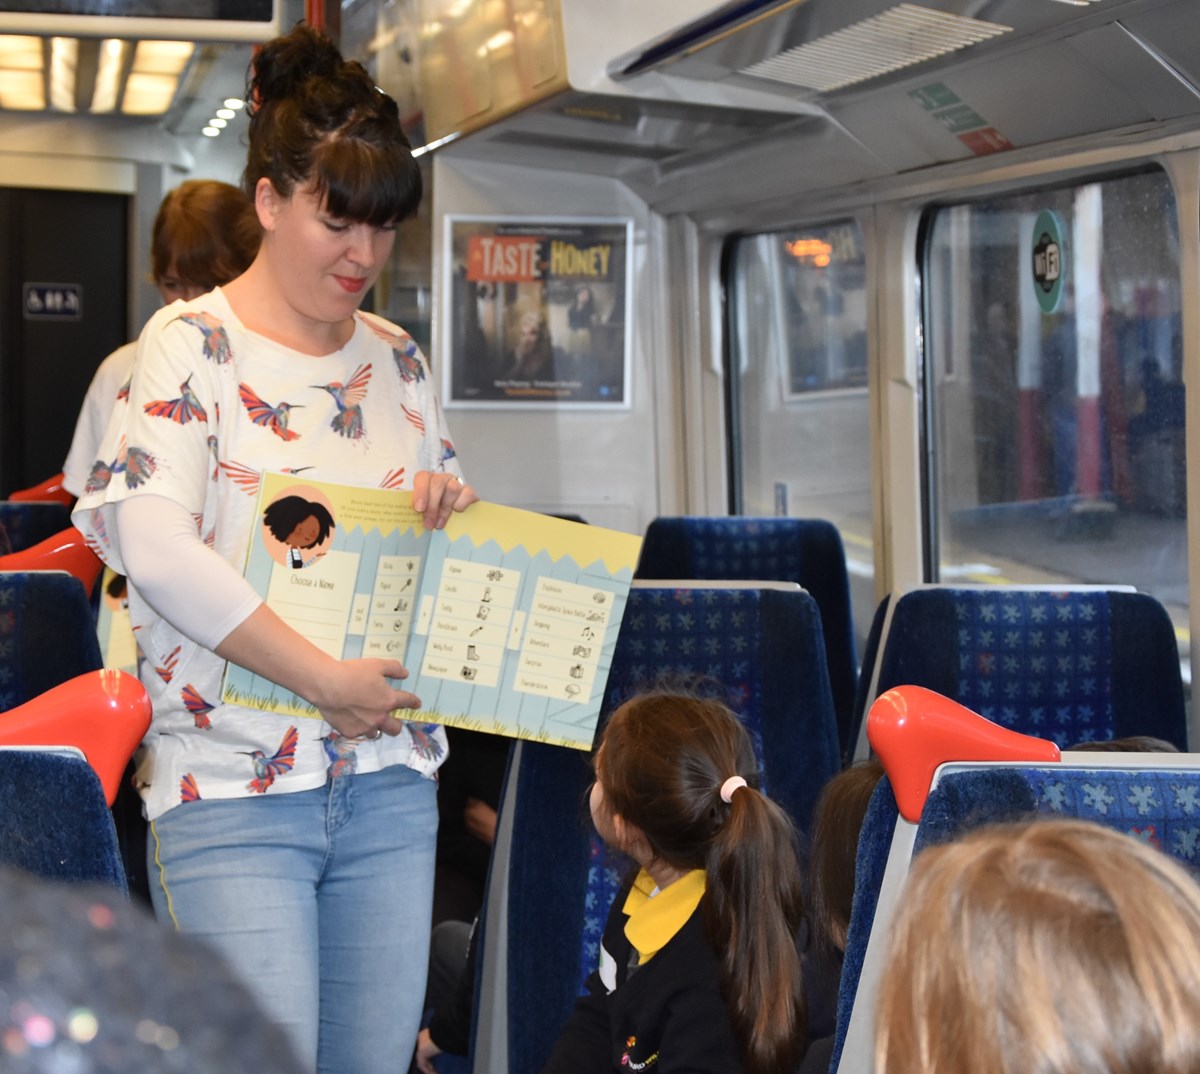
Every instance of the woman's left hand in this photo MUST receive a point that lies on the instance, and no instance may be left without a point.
(435, 495)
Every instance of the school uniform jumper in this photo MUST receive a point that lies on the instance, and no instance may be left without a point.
(654, 1003)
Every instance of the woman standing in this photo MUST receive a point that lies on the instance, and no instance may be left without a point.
(302, 849)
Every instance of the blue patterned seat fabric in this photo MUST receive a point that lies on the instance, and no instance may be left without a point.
(1160, 806)
(1066, 666)
(47, 634)
(54, 821)
(28, 522)
(739, 548)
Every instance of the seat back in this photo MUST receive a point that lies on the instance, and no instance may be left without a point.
(54, 820)
(47, 634)
(551, 885)
(29, 522)
(806, 551)
(50, 490)
(1153, 796)
(1063, 663)
(61, 759)
(103, 714)
(64, 551)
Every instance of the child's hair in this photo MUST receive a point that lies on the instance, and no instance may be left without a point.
(1055, 946)
(663, 760)
(833, 852)
(206, 232)
(316, 118)
(1129, 744)
(285, 514)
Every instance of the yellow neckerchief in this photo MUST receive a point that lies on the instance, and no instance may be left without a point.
(655, 916)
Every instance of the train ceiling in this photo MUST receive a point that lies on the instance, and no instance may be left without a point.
(842, 90)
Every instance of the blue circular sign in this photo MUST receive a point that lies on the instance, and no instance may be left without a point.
(1049, 260)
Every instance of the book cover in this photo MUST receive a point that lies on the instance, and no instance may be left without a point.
(506, 620)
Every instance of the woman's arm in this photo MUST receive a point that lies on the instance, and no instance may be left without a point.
(204, 597)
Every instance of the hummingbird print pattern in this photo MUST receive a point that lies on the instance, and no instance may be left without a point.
(405, 352)
(414, 418)
(216, 341)
(266, 769)
(425, 742)
(197, 706)
(348, 398)
(341, 751)
(166, 670)
(182, 410)
(210, 408)
(248, 479)
(274, 418)
(137, 464)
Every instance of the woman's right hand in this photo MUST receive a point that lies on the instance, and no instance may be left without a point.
(356, 697)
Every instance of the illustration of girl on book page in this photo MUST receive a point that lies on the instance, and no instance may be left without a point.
(298, 526)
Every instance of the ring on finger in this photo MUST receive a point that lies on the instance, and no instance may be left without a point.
(372, 735)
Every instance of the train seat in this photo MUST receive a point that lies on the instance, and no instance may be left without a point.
(50, 490)
(551, 884)
(65, 550)
(47, 633)
(950, 770)
(802, 550)
(27, 523)
(61, 759)
(1067, 663)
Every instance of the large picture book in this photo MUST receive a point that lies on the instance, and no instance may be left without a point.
(506, 620)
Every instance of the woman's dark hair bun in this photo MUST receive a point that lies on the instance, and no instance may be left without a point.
(283, 63)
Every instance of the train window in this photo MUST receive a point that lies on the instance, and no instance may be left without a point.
(1055, 389)
(797, 379)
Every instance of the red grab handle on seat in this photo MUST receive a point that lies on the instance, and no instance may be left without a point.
(51, 489)
(65, 551)
(914, 730)
(104, 713)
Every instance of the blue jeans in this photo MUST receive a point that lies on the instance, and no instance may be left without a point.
(320, 900)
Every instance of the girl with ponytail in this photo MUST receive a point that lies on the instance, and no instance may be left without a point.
(698, 964)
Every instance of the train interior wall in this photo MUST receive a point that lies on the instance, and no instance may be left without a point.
(605, 463)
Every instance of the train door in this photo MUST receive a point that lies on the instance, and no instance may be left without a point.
(63, 278)
(797, 386)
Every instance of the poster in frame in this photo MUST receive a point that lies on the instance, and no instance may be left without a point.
(537, 312)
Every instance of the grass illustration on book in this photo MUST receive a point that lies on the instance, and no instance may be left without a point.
(269, 701)
(468, 723)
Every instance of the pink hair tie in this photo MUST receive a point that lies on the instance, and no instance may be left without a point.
(729, 786)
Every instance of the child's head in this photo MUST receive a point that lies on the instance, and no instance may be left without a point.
(833, 851)
(1055, 946)
(661, 764)
(205, 234)
(678, 786)
(1129, 744)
